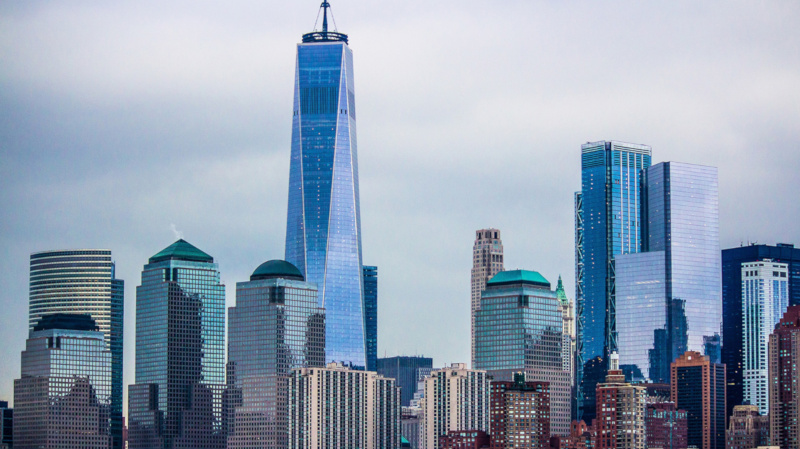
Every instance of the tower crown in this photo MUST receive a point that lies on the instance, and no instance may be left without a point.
(324, 35)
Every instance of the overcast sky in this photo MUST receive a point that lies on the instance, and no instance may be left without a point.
(125, 123)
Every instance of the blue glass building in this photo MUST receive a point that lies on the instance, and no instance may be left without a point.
(607, 224)
(323, 229)
(732, 350)
(180, 353)
(370, 276)
(405, 371)
(669, 297)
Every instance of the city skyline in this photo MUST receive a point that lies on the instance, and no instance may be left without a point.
(214, 196)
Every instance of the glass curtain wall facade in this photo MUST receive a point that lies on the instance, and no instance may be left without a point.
(732, 349)
(607, 224)
(275, 327)
(520, 329)
(370, 276)
(669, 297)
(180, 352)
(487, 260)
(323, 230)
(83, 281)
(765, 298)
(63, 398)
(404, 369)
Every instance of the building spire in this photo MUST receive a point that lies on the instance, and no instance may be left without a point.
(324, 35)
(325, 5)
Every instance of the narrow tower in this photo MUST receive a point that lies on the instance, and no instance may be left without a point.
(487, 260)
(323, 228)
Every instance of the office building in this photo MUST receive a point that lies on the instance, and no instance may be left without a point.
(487, 261)
(405, 371)
(607, 224)
(6, 425)
(520, 328)
(698, 386)
(747, 429)
(669, 296)
(323, 228)
(666, 426)
(83, 281)
(568, 343)
(456, 398)
(275, 327)
(370, 277)
(464, 439)
(176, 401)
(732, 318)
(410, 425)
(63, 398)
(620, 415)
(765, 297)
(336, 407)
(784, 391)
(520, 414)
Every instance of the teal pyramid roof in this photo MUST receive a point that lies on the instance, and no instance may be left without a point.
(519, 276)
(181, 250)
(560, 293)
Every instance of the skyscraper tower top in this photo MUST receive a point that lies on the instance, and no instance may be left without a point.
(324, 35)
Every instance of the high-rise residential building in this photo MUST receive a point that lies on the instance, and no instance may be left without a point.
(370, 277)
(520, 328)
(456, 398)
(765, 297)
(464, 439)
(784, 391)
(608, 223)
(63, 398)
(666, 426)
(405, 371)
(487, 261)
(276, 326)
(336, 407)
(6, 425)
(520, 414)
(698, 386)
(620, 415)
(669, 296)
(84, 281)
(747, 429)
(323, 228)
(580, 436)
(732, 317)
(176, 401)
(568, 339)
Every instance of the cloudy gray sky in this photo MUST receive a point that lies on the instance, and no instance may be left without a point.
(121, 121)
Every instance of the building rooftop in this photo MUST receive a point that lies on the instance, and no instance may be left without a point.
(277, 269)
(519, 277)
(324, 35)
(181, 250)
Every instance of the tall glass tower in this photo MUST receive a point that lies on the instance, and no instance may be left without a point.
(607, 224)
(83, 281)
(323, 229)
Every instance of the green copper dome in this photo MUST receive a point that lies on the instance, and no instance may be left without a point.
(274, 269)
(517, 277)
(181, 250)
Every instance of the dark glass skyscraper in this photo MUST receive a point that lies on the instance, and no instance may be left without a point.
(607, 223)
(732, 350)
(370, 276)
(83, 281)
(323, 229)
(404, 370)
(180, 352)
(275, 327)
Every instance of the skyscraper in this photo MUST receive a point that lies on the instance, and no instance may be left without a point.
(669, 296)
(63, 398)
(520, 329)
(176, 401)
(765, 298)
(370, 276)
(732, 349)
(520, 414)
(784, 391)
(607, 223)
(83, 281)
(568, 339)
(323, 228)
(698, 386)
(487, 260)
(275, 327)
(404, 370)
(339, 408)
(620, 417)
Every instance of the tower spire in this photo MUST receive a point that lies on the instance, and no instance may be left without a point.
(325, 5)
(324, 35)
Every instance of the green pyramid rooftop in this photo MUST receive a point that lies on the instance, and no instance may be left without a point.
(517, 277)
(560, 293)
(181, 250)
